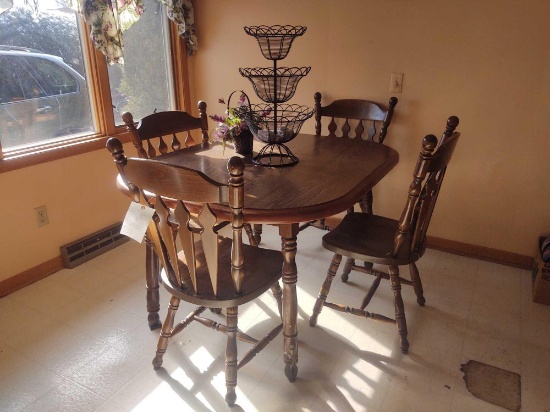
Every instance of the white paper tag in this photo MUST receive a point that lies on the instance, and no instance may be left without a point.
(136, 221)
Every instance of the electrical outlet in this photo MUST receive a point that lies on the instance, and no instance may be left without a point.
(41, 215)
(396, 83)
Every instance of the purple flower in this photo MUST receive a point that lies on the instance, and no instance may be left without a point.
(242, 100)
(223, 129)
(217, 118)
(266, 112)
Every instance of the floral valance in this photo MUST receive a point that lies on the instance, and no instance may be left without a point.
(109, 19)
(181, 12)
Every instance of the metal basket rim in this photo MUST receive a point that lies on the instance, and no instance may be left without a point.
(284, 116)
(276, 30)
(283, 106)
(281, 71)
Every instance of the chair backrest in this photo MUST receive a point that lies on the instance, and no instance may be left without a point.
(422, 196)
(165, 124)
(362, 114)
(179, 188)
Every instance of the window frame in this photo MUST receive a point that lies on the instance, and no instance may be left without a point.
(100, 96)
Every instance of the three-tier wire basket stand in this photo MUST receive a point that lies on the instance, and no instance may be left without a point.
(273, 122)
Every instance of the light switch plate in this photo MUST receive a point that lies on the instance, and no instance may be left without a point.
(396, 83)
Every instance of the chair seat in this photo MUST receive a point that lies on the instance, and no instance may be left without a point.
(262, 270)
(368, 237)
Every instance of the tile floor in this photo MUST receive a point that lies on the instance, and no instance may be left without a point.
(79, 341)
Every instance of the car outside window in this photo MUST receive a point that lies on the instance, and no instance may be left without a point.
(56, 79)
(10, 89)
(32, 89)
(45, 99)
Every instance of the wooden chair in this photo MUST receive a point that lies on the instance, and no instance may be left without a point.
(210, 271)
(365, 114)
(162, 124)
(151, 132)
(390, 242)
(370, 121)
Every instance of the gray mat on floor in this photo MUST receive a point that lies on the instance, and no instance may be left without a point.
(494, 385)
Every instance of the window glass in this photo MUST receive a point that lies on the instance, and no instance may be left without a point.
(10, 89)
(142, 85)
(43, 89)
(59, 80)
(29, 84)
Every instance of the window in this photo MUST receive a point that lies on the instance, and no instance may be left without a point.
(42, 99)
(57, 91)
(141, 85)
(42, 59)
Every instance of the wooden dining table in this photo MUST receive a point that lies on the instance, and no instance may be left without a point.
(330, 177)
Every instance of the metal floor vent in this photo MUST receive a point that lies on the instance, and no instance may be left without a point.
(93, 245)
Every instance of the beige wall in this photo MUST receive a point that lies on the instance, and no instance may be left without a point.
(81, 197)
(487, 62)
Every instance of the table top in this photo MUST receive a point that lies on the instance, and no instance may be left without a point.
(332, 174)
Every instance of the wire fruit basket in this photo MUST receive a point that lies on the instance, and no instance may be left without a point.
(275, 41)
(272, 122)
(263, 81)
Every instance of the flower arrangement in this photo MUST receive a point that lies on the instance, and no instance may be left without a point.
(231, 125)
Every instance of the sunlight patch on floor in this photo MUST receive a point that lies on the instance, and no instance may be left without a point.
(180, 375)
(202, 359)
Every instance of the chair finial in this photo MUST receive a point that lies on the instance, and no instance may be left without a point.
(429, 143)
(114, 146)
(452, 123)
(317, 98)
(204, 122)
(128, 119)
(235, 165)
(389, 116)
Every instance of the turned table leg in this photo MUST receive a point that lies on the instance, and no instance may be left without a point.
(288, 235)
(152, 270)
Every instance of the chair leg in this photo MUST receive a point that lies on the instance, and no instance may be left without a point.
(250, 233)
(166, 331)
(278, 295)
(333, 268)
(366, 203)
(319, 224)
(258, 233)
(368, 265)
(417, 284)
(152, 271)
(371, 292)
(231, 355)
(399, 308)
(347, 269)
